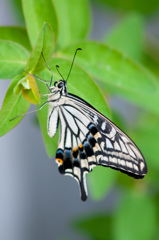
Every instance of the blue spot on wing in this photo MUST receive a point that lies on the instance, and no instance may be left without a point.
(88, 149)
(92, 128)
(59, 153)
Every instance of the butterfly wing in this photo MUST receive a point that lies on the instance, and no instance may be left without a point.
(87, 138)
(119, 151)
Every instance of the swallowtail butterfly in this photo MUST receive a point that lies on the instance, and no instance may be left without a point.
(87, 138)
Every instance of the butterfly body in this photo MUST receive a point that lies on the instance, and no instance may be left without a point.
(87, 139)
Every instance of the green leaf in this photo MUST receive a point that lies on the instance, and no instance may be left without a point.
(117, 73)
(50, 143)
(127, 36)
(98, 227)
(16, 6)
(74, 20)
(151, 54)
(27, 85)
(135, 218)
(23, 83)
(35, 14)
(132, 5)
(100, 182)
(146, 135)
(13, 58)
(45, 45)
(151, 63)
(13, 105)
(15, 34)
(79, 83)
(32, 95)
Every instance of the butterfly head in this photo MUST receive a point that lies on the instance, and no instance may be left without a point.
(59, 89)
(61, 85)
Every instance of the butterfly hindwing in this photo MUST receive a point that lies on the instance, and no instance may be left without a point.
(77, 145)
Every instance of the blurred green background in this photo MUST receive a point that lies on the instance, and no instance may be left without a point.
(130, 208)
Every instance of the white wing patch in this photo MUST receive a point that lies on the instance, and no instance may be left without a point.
(70, 121)
(68, 143)
(108, 143)
(62, 132)
(103, 126)
(95, 119)
(77, 114)
(123, 148)
(111, 134)
(52, 123)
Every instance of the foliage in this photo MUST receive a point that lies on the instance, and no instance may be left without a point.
(147, 8)
(121, 64)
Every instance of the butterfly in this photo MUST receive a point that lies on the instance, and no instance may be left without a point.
(88, 138)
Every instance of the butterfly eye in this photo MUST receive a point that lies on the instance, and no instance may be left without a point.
(55, 83)
(60, 85)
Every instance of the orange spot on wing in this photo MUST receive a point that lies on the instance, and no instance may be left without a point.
(96, 135)
(59, 160)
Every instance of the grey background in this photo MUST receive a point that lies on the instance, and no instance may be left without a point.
(36, 202)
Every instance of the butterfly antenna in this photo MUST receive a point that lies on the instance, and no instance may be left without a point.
(48, 68)
(59, 71)
(73, 62)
